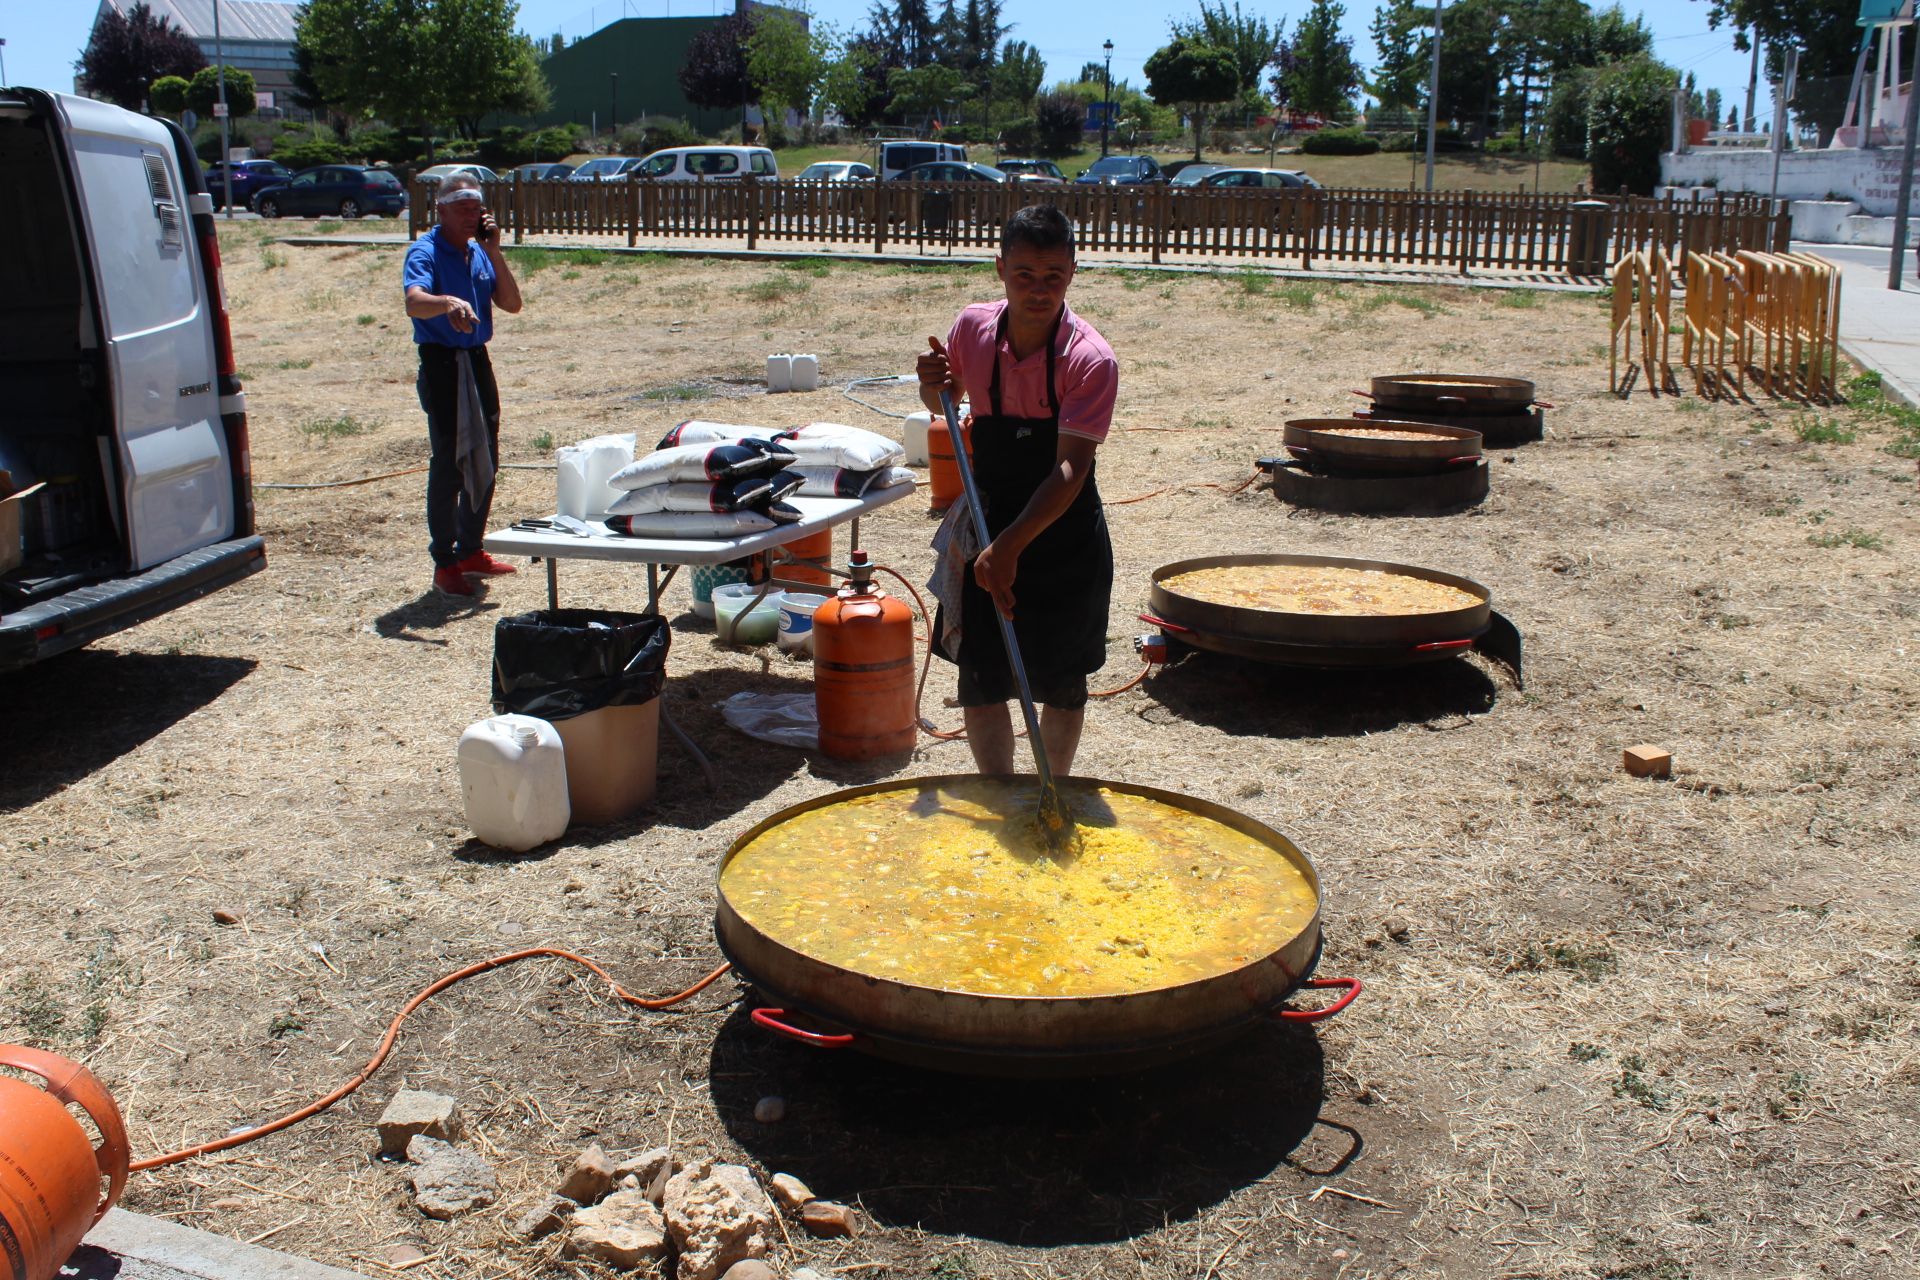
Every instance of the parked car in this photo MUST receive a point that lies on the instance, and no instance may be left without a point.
(837, 171)
(1268, 179)
(1192, 172)
(950, 171)
(708, 164)
(118, 377)
(1046, 170)
(330, 190)
(441, 172)
(897, 157)
(541, 172)
(605, 169)
(1122, 171)
(249, 178)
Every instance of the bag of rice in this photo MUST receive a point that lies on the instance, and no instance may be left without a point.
(782, 485)
(838, 482)
(835, 444)
(784, 512)
(699, 431)
(701, 462)
(721, 495)
(690, 524)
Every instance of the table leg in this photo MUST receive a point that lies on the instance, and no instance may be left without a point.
(553, 583)
(653, 588)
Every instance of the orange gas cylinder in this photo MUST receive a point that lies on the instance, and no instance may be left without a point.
(818, 546)
(943, 473)
(50, 1171)
(863, 669)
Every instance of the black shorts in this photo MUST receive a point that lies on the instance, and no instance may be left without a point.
(985, 688)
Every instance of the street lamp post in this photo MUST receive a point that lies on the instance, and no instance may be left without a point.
(226, 151)
(1106, 107)
(613, 116)
(3, 61)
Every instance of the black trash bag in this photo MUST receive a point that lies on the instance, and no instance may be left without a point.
(561, 663)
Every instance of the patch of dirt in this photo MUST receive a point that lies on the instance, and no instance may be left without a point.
(1612, 1027)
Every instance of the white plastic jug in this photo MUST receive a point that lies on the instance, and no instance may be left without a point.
(513, 774)
(916, 438)
(779, 373)
(806, 373)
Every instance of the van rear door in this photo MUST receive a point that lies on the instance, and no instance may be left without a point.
(176, 478)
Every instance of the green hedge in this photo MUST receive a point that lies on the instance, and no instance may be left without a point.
(1339, 142)
(1627, 121)
(309, 152)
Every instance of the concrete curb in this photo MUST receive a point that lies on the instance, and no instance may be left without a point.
(1891, 386)
(132, 1246)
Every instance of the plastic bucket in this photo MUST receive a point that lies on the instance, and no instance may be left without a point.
(757, 625)
(796, 620)
(708, 576)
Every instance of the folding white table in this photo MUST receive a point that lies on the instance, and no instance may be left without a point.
(817, 514)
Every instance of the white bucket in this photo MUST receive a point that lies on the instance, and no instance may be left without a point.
(756, 625)
(916, 438)
(779, 373)
(513, 775)
(806, 373)
(796, 620)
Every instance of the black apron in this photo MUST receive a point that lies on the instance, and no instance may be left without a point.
(1065, 580)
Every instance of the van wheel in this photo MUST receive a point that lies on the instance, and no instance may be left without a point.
(269, 208)
(349, 208)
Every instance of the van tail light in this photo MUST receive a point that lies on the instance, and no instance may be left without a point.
(233, 422)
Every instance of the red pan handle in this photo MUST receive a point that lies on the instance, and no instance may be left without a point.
(1431, 645)
(1454, 462)
(1542, 404)
(770, 1019)
(1162, 622)
(1364, 395)
(1322, 984)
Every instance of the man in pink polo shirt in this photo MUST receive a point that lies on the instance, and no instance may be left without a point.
(1042, 384)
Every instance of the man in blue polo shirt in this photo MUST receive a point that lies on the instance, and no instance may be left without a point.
(454, 276)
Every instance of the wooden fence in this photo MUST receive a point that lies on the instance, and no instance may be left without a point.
(1459, 231)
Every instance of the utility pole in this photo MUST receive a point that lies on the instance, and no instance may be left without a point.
(3, 61)
(1106, 107)
(1906, 163)
(1753, 79)
(1433, 93)
(1782, 96)
(220, 110)
(613, 115)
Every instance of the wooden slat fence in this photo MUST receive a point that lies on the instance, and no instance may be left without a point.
(1459, 231)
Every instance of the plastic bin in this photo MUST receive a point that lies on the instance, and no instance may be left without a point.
(758, 624)
(596, 676)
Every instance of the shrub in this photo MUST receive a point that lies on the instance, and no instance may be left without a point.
(654, 133)
(308, 152)
(168, 95)
(1019, 137)
(1398, 142)
(385, 146)
(1507, 144)
(1056, 120)
(1627, 119)
(1566, 115)
(1339, 142)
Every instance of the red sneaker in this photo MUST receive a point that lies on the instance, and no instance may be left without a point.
(482, 563)
(451, 581)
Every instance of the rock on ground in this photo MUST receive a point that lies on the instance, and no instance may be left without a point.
(589, 1177)
(789, 1192)
(623, 1231)
(543, 1217)
(449, 1181)
(718, 1216)
(826, 1219)
(751, 1269)
(652, 1168)
(416, 1111)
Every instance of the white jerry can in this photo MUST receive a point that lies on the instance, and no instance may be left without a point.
(513, 775)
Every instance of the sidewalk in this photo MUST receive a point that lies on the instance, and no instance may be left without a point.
(1879, 327)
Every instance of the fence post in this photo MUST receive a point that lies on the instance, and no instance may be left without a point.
(1160, 196)
(879, 235)
(635, 195)
(752, 185)
(513, 212)
(1313, 229)
(1463, 236)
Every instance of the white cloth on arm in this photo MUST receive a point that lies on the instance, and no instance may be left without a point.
(956, 543)
(472, 451)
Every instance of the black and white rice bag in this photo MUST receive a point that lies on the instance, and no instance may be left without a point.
(783, 513)
(835, 444)
(839, 482)
(691, 524)
(721, 495)
(729, 461)
(700, 431)
(782, 485)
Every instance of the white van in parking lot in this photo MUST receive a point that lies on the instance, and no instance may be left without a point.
(708, 164)
(118, 396)
(897, 157)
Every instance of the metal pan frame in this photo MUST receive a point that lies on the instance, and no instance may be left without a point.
(1464, 392)
(1323, 437)
(1229, 628)
(974, 1031)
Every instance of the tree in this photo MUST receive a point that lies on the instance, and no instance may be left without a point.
(853, 85)
(1824, 32)
(1612, 36)
(1565, 118)
(167, 96)
(489, 66)
(1019, 72)
(1324, 74)
(1628, 115)
(1194, 74)
(1403, 36)
(204, 90)
(1251, 41)
(919, 92)
(903, 36)
(714, 71)
(785, 62)
(1712, 105)
(127, 53)
(1056, 121)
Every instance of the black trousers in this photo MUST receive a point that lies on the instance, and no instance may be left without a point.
(455, 527)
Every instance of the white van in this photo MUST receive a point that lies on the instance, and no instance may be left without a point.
(897, 157)
(118, 396)
(708, 164)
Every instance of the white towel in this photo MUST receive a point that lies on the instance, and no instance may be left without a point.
(957, 543)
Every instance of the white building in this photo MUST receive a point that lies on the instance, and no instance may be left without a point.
(255, 35)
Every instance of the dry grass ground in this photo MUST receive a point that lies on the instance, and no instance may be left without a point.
(1613, 1027)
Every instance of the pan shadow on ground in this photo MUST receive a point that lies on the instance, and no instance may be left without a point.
(1028, 1162)
(102, 706)
(1243, 697)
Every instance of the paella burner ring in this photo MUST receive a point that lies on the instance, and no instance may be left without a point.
(1311, 479)
(1497, 430)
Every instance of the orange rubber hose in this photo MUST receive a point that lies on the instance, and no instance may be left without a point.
(393, 1033)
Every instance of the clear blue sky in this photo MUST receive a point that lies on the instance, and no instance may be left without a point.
(45, 36)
